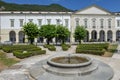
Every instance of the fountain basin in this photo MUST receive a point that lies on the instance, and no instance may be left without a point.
(76, 61)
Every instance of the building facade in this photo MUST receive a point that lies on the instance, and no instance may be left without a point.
(101, 25)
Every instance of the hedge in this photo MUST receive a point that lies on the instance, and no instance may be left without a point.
(12, 48)
(95, 52)
(96, 49)
(65, 47)
(22, 54)
(50, 47)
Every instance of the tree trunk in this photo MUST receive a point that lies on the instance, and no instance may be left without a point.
(80, 41)
(48, 41)
(63, 41)
(31, 40)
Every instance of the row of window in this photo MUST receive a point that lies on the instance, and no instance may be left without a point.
(94, 23)
(58, 22)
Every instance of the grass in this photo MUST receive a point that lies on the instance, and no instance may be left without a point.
(7, 61)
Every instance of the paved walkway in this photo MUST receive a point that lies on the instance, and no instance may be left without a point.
(20, 70)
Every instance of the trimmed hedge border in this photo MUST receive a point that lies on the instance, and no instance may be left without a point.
(96, 49)
(50, 47)
(65, 47)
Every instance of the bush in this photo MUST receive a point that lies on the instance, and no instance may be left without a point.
(38, 52)
(12, 48)
(65, 47)
(7, 49)
(21, 54)
(95, 52)
(96, 49)
(52, 48)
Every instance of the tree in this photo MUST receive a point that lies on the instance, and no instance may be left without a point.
(62, 33)
(80, 33)
(31, 30)
(48, 31)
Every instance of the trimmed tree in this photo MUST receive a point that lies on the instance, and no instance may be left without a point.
(80, 33)
(31, 30)
(62, 33)
(48, 32)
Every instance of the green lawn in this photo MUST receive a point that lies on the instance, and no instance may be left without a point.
(7, 61)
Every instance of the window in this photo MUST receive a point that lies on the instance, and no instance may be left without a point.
(30, 20)
(94, 23)
(85, 23)
(12, 22)
(109, 23)
(48, 21)
(66, 22)
(101, 23)
(77, 21)
(39, 22)
(21, 22)
(118, 23)
(58, 21)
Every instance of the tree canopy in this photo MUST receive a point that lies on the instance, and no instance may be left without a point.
(31, 30)
(62, 33)
(80, 33)
(48, 32)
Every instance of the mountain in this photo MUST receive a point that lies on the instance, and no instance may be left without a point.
(29, 7)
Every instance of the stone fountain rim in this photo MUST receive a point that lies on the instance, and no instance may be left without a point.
(69, 65)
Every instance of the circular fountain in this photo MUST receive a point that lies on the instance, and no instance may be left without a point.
(71, 67)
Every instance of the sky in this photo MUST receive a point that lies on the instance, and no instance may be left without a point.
(110, 5)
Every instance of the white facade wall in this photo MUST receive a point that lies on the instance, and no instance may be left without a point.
(5, 20)
(89, 13)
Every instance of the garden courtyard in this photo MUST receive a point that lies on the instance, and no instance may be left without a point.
(13, 68)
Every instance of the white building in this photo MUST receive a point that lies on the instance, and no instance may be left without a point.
(12, 22)
(101, 24)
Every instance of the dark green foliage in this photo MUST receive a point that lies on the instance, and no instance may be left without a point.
(38, 52)
(21, 54)
(48, 32)
(50, 47)
(12, 48)
(27, 7)
(31, 30)
(80, 33)
(96, 49)
(65, 47)
(62, 33)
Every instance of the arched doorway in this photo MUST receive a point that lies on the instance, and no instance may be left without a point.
(109, 35)
(12, 36)
(21, 37)
(94, 35)
(118, 35)
(102, 36)
(87, 37)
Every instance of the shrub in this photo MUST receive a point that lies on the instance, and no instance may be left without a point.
(12, 48)
(65, 47)
(45, 46)
(38, 52)
(7, 49)
(95, 52)
(96, 49)
(21, 55)
(52, 48)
